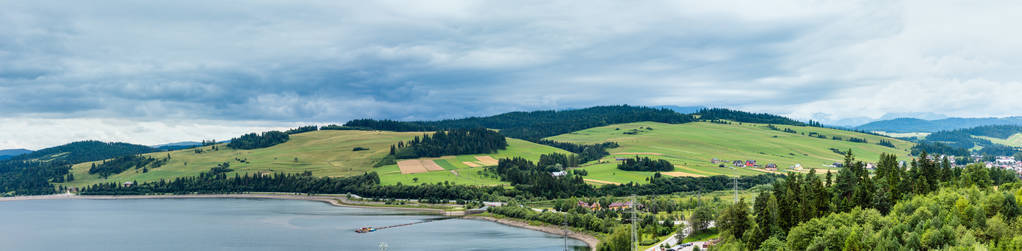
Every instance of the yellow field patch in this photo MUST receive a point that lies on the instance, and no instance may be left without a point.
(487, 160)
(411, 166)
(471, 164)
(682, 174)
(430, 165)
(602, 182)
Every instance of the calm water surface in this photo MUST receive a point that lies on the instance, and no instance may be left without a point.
(244, 224)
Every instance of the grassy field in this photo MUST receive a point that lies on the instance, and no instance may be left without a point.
(691, 146)
(1014, 140)
(324, 153)
(462, 173)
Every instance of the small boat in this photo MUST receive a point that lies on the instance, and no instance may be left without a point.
(365, 230)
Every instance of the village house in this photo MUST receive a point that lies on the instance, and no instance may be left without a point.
(559, 173)
(771, 167)
(750, 163)
(583, 204)
(738, 163)
(595, 206)
(621, 205)
(796, 167)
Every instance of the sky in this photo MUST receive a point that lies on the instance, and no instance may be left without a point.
(159, 72)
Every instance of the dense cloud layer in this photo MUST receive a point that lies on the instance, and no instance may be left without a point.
(274, 63)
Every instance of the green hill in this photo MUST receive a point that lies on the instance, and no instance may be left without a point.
(691, 146)
(324, 153)
(82, 151)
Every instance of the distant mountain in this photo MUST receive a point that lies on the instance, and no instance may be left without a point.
(9, 153)
(177, 145)
(84, 151)
(947, 124)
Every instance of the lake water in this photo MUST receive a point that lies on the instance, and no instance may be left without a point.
(244, 224)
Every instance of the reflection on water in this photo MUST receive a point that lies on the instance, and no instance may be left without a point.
(245, 224)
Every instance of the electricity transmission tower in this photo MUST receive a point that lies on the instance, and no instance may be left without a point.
(565, 226)
(635, 236)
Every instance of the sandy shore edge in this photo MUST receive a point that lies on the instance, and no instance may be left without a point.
(336, 200)
(589, 240)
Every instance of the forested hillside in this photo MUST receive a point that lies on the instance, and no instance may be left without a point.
(451, 142)
(959, 142)
(84, 151)
(713, 114)
(537, 124)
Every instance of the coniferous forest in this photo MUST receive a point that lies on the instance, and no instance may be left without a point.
(645, 164)
(926, 205)
(536, 125)
(120, 164)
(253, 141)
(451, 142)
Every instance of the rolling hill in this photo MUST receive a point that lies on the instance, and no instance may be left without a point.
(10, 153)
(83, 151)
(323, 153)
(691, 146)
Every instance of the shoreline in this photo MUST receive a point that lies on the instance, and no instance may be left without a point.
(335, 200)
(589, 240)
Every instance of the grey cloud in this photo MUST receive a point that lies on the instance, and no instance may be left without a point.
(333, 61)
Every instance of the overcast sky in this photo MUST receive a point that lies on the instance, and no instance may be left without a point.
(151, 73)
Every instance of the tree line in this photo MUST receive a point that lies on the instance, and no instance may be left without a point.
(645, 164)
(253, 140)
(120, 164)
(450, 142)
(710, 114)
(586, 153)
(536, 125)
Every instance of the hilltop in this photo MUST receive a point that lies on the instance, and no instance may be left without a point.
(910, 125)
(83, 151)
(9, 153)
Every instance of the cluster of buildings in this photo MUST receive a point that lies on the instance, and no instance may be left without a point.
(618, 205)
(1006, 162)
(752, 164)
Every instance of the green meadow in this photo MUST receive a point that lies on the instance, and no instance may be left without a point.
(324, 153)
(1015, 140)
(691, 146)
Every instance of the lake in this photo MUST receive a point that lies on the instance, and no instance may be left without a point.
(245, 224)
